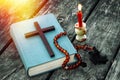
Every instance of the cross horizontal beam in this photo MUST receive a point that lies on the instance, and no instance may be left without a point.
(44, 30)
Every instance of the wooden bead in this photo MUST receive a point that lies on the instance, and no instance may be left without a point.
(57, 46)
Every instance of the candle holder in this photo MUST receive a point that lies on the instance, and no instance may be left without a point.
(81, 32)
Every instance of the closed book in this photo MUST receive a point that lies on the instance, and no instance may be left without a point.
(32, 50)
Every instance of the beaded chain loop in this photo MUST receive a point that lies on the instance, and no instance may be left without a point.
(64, 65)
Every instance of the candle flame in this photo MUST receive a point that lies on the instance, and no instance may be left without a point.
(79, 7)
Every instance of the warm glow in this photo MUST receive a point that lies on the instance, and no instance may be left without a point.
(79, 7)
(19, 9)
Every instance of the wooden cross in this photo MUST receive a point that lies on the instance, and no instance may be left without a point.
(41, 32)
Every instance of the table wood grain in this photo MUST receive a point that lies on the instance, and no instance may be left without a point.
(114, 72)
(102, 18)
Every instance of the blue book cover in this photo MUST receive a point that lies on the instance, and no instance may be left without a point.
(32, 50)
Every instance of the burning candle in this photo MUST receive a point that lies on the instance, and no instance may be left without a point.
(79, 15)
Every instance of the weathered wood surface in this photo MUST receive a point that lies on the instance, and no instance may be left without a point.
(114, 72)
(5, 21)
(8, 62)
(104, 34)
(67, 19)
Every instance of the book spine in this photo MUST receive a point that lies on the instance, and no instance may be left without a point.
(17, 46)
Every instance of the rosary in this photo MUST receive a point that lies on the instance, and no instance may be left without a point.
(79, 60)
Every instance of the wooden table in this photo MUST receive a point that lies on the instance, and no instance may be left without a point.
(103, 31)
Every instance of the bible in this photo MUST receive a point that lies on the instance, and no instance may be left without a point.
(33, 39)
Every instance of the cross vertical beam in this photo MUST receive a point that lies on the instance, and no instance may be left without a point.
(41, 34)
